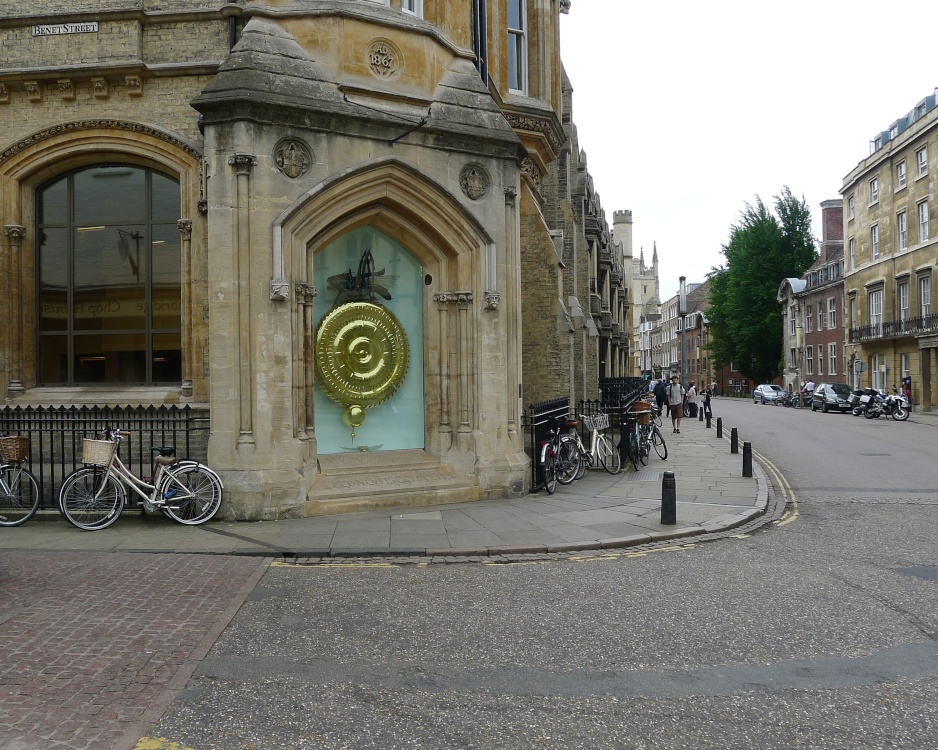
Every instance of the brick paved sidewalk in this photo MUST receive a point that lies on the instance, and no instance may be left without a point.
(96, 644)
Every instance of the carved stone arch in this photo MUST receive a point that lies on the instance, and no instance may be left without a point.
(52, 151)
(445, 239)
(393, 193)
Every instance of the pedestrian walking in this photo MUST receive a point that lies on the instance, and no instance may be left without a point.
(691, 399)
(676, 403)
(707, 395)
(661, 394)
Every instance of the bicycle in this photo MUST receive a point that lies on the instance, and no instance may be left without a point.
(602, 452)
(632, 439)
(93, 497)
(19, 488)
(560, 456)
(655, 439)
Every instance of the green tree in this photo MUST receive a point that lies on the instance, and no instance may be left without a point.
(744, 314)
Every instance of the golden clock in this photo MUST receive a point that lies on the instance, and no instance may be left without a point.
(362, 356)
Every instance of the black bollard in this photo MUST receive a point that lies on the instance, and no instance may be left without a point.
(668, 499)
(719, 427)
(734, 441)
(708, 420)
(700, 414)
(747, 459)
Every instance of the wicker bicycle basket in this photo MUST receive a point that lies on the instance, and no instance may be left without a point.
(642, 412)
(595, 422)
(14, 448)
(97, 452)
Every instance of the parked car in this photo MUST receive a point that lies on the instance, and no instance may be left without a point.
(767, 393)
(829, 396)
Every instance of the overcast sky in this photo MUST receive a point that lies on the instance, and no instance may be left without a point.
(689, 110)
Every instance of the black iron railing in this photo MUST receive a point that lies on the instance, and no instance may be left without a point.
(617, 395)
(895, 328)
(55, 436)
(539, 418)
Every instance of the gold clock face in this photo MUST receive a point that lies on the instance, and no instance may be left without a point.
(362, 354)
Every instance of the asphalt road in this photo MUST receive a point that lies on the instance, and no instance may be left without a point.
(817, 631)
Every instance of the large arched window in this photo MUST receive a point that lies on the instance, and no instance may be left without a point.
(108, 274)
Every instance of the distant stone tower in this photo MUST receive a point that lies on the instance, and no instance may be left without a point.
(622, 234)
(646, 302)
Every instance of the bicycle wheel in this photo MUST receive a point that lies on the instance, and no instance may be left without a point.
(657, 442)
(549, 474)
(656, 416)
(568, 461)
(192, 494)
(633, 449)
(609, 457)
(644, 447)
(91, 499)
(586, 460)
(19, 495)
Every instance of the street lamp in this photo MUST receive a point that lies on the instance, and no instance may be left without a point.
(682, 311)
(799, 356)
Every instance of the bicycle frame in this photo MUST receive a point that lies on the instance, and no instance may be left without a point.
(162, 478)
(17, 467)
(118, 469)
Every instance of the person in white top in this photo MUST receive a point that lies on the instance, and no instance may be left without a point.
(676, 403)
(691, 398)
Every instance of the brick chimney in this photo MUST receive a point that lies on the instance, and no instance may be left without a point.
(832, 228)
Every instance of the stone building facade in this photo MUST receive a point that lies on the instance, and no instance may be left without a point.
(698, 364)
(646, 310)
(891, 251)
(576, 324)
(325, 222)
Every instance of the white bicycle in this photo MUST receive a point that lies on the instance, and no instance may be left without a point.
(93, 497)
(602, 452)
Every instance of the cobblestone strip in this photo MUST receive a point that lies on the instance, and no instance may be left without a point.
(96, 644)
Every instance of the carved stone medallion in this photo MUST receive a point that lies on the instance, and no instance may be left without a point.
(362, 356)
(293, 157)
(474, 181)
(385, 59)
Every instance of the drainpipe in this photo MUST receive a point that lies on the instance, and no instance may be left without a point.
(232, 28)
(480, 43)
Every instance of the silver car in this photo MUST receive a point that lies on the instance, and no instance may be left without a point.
(767, 393)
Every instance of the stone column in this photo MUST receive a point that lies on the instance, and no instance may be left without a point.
(927, 355)
(512, 323)
(12, 270)
(305, 296)
(464, 303)
(243, 164)
(443, 301)
(188, 350)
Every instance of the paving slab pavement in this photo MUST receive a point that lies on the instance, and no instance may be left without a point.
(597, 511)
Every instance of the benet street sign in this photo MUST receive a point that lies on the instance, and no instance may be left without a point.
(66, 28)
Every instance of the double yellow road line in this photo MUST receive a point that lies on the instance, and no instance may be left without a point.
(791, 513)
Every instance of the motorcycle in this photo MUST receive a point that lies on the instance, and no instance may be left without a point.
(896, 406)
(790, 399)
(877, 403)
(866, 400)
(854, 400)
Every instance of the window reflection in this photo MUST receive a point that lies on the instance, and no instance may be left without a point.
(109, 277)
